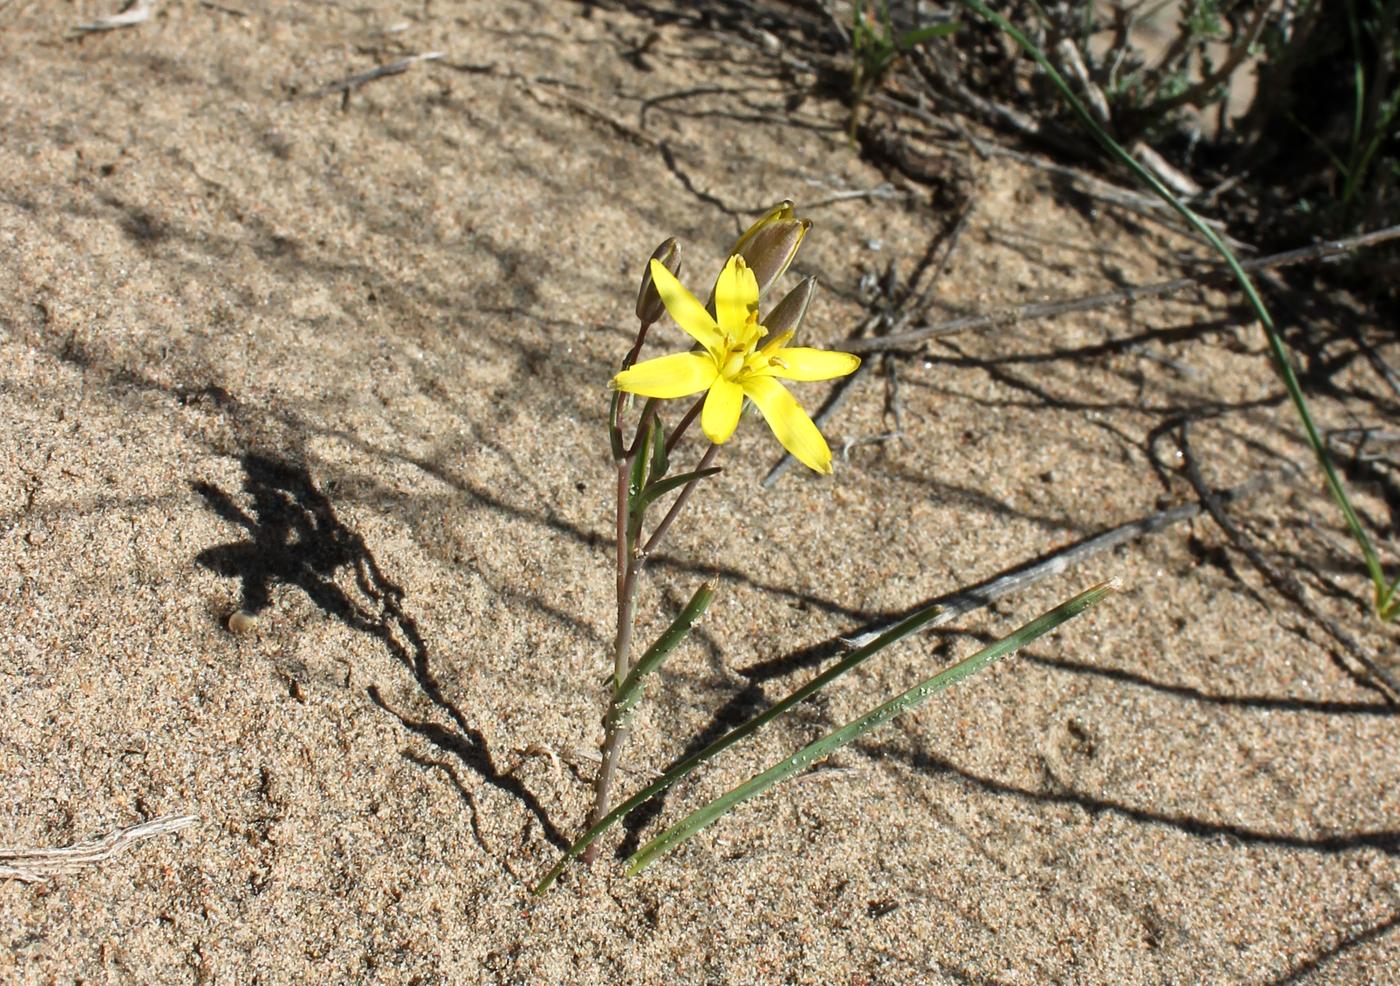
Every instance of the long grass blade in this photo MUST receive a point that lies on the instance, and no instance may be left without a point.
(682, 767)
(858, 727)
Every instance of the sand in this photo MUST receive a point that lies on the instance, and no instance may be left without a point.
(342, 361)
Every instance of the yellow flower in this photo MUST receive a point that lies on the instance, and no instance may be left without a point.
(732, 366)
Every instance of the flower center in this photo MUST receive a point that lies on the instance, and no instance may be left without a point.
(733, 362)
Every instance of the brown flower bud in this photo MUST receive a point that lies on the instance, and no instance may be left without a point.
(787, 314)
(769, 245)
(649, 305)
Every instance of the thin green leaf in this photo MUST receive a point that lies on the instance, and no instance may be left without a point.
(638, 476)
(656, 490)
(684, 766)
(858, 727)
(659, 460)
(912, 39)
(631, 688)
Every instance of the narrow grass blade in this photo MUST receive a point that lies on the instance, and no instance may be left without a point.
(654, 491)
(631, 688)
(911, 699)
(614, 434)
(659, 462)
(1282, 360)
(912, 39)
(684, 766)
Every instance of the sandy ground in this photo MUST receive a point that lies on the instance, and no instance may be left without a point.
(344, 361)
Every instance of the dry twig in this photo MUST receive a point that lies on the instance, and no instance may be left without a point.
(378, 72)
(136, 12)
(959, 603)
(231, 11)
(1124, 296)
(37, 865)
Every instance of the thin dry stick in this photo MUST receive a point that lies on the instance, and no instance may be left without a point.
(844, 388)
(1125, 296)
(960, 603)
(884, 190)
(231, 11)
(378, 72)
(136, 12)
(37, 865)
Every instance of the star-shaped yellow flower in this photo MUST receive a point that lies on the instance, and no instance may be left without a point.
(732, 366)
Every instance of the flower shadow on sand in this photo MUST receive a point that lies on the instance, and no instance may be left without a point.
(294, 538)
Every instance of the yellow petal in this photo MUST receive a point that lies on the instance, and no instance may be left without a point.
(736, 294)
(668, 376)
(771, 347)
(689, 314)
(720, 415)
(789, 422)
(811, 364)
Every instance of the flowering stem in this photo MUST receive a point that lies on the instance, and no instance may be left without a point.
(681, 498)
(628, 571)
(630, 560)
(616, 732)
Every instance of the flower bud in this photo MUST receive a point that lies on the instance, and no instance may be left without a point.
(769, 245)
(649, 305)
(787, 314)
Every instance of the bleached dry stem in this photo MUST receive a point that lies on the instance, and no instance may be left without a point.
(37, 865)
(132, 14)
